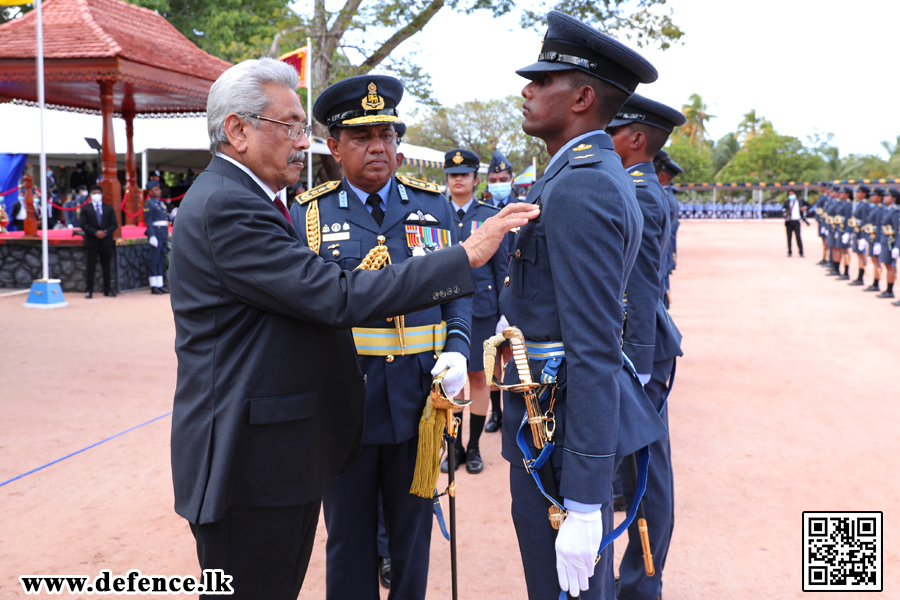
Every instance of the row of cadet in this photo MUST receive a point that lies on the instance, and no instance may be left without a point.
(593, 312)
(728, 210)
(863, 222)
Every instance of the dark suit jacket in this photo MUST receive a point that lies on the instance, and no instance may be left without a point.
(90, 224)
(269, 400)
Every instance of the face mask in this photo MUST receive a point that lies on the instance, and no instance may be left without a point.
(500, 191)
(96, 197)
(792, 197)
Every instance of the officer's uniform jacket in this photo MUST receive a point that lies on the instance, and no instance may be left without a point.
(567, 279)
(821, 203)
(155, 210)
(647, 324)
(872, 227)
(674, 214)
(890, 224)
(396, 387)
(860, 214)
(831, 211)
(488, 277)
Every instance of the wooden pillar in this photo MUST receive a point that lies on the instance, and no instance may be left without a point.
(30, 225)
(131, 205)
(112, 189)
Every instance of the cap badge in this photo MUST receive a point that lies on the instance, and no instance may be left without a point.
(458, 159)
(372, 101)
(502, 166)
(581, 147)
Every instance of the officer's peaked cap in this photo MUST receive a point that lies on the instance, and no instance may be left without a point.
(499, 163)
(461, 161)
(360, 101)
(639, 109)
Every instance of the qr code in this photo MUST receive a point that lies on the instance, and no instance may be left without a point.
(842, 551)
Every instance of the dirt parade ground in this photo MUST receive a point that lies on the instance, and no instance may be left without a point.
(786, 401)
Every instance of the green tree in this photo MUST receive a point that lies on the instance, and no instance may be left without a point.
(769, 156)
(834, 166)
(482, 127)
(696, 160)
(753, 125)
(893, 150)
(697, 115)
(725, 149)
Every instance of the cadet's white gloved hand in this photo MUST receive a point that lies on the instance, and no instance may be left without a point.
(895, 253)
(861, 246)
(845, 238)
(822, 231)
(501, 324)
(153, 241)
(876, 249)
(455, 379)
(576, 549)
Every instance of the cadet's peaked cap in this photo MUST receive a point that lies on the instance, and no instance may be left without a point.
(152, 184)
(846, 190)
(639, 109)
(461, 161)
(893, 192)
(877, 191)
(359, 101)
(864, 188)
(672, 167)
(499, 163)
(570, 44)
(661, 156)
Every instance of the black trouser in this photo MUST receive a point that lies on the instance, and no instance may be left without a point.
(105, 253)
(793, 226)
(265, 550)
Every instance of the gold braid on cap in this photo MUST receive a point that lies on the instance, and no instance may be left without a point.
(312, 225)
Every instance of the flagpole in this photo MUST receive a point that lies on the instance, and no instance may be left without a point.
(45, 198)
(309, 117)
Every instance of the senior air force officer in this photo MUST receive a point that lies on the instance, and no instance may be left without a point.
(269, 400)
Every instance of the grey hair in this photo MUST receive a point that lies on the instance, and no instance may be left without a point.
(240, 90)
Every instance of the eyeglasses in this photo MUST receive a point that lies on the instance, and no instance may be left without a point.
(295, 130)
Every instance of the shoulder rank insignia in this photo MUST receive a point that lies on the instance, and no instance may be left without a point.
(318, 191)
(635, 173)
(581, 147)
(491, 206)
(419, 184)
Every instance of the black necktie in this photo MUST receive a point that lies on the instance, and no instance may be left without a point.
(461, 214)
(374, 200)
(501, 204)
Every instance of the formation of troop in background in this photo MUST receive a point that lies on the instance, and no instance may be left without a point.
(728, 210)
(863, 222)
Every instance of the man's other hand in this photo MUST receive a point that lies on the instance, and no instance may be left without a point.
(482, 245)
(101, 234)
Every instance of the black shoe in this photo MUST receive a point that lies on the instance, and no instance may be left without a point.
(165, 290)
(844, 277)
(822, 262)
(384, 572)
(460, 458)
(109, 293)
(494, 422)
(619, 504)
(801, 255)
(90, 295)
(157, 291)
(474, 464)
(872, 288)
(897, 303)
(885, 294)
(832, 273)
(857, 282)
(789, 254)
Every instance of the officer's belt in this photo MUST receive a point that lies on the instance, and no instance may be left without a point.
(160, 223)
(379, 341)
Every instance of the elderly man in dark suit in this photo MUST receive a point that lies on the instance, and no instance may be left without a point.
(269, 399)
(99, 222)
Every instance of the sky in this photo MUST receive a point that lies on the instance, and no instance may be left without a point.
(808, 67)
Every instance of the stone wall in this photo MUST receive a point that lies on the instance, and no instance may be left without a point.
(21, 264)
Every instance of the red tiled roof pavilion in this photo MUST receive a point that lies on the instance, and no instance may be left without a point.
(106, 57)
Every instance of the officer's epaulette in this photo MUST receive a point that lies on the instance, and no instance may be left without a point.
(638, 178)
(584, 154)
(489, 205)
(317, 191)
(419, 184)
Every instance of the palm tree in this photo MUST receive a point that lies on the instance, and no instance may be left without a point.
(754, 125)
(697, 116)
(836, 167)
(724, 150)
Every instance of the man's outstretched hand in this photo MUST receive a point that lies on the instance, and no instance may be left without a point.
(482, 244)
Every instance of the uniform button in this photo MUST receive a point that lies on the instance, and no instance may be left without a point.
(435, 296)
(449, 292)
(460, 224)
(490, 288)
(365, 379)
(389, 358)
(442, 294)
(518, 254)
(389, 319)
(506, 281)
(336, 253)
(456, 289)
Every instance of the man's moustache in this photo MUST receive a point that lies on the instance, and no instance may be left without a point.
(297, 156)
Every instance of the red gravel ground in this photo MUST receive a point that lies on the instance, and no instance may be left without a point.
(785, 401)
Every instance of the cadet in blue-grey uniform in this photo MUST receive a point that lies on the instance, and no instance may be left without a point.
(345, 222)
(567, 280)
(667, 170)
(857, 236)
(871, 229)
(156, 217)
(820, 205)
(843, 231)
(499, 189)
(887, 242)
(651, 339)
(461, 167)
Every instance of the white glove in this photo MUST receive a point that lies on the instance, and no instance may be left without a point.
(153, 241)
(845, 238)
(455, 379)
(173, 213)
(576, 548)
(876, 249)
(823, 231)
(861, 246)
(895, 252)
(501, 325)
